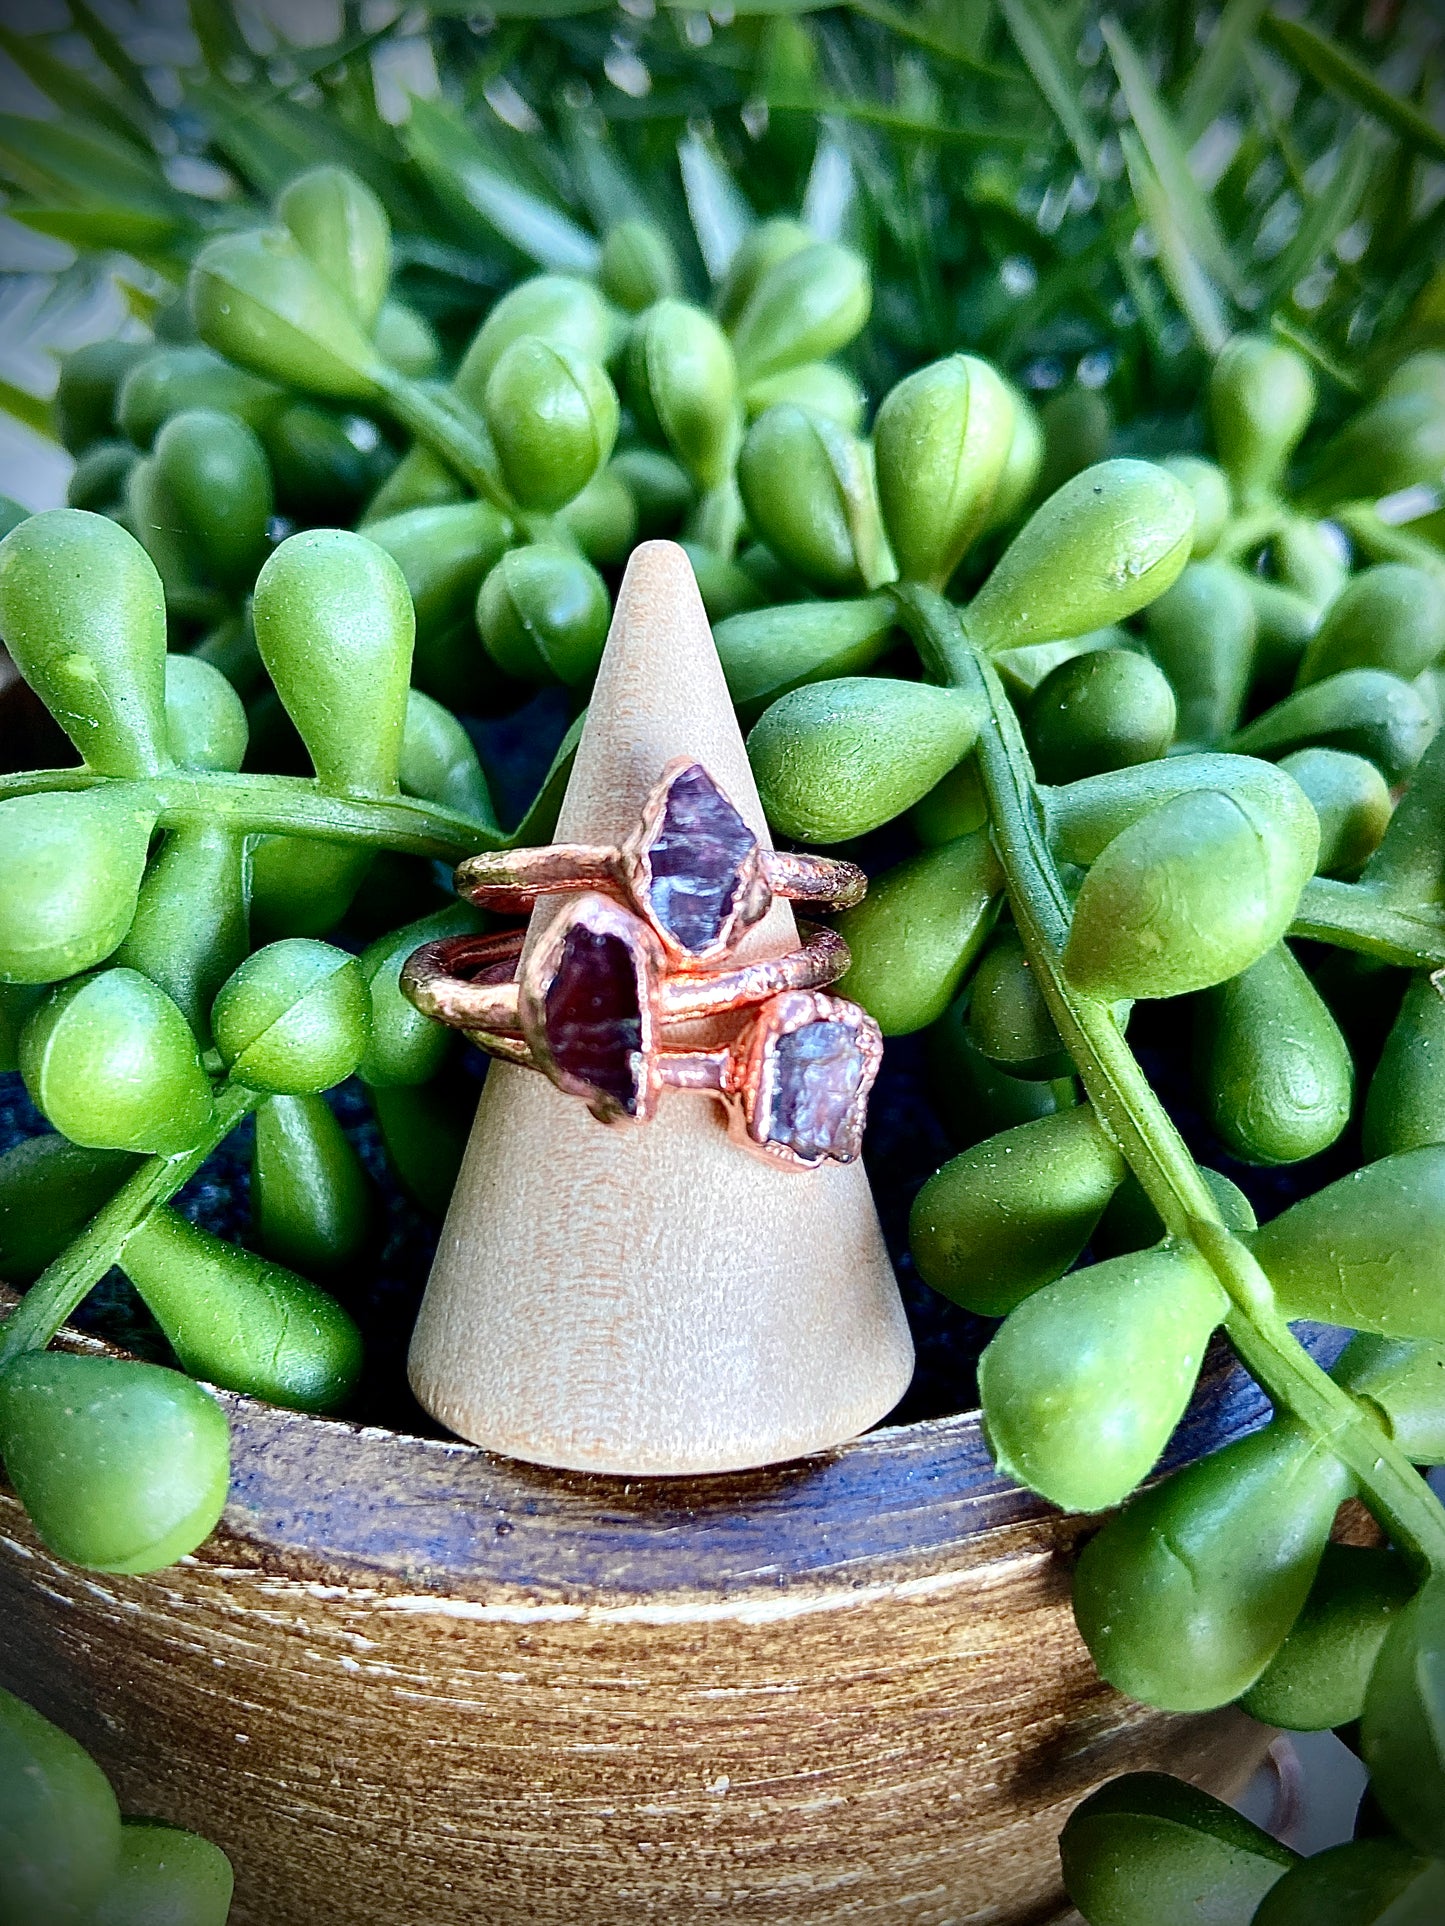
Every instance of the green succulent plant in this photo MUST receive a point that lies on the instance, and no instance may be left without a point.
(1077, 523)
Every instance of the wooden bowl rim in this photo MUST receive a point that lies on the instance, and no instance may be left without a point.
(438, 1518)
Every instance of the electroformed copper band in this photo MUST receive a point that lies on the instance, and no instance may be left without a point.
(645, 945)
(692, 869)
(470, 982)
(767, 1111)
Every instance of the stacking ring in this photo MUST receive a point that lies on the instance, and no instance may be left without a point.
(593, 996)
(794, 1082)
(692, 869)
(643, 948)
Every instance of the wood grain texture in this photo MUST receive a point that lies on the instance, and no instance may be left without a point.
(412, 1684)
(656, 1300)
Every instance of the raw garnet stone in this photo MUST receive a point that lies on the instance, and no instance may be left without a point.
(695, 857)
(593, 1017)
(818, 1070)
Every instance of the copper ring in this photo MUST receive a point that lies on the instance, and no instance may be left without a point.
(794, 1082)
(692, 869)
(595, 948)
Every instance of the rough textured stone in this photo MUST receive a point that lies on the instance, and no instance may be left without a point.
(700, 846)
(817, 1073)
(594, 1025)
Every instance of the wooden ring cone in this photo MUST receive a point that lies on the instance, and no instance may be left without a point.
(653, 1300)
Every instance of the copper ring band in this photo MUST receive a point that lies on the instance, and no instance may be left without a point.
(692, 869)
(750, 1078)
(451, 979)
(646, 944)
(470, 981)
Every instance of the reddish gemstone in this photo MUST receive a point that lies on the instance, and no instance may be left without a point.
(696, 858)
(593, 1017)
(818, 1072)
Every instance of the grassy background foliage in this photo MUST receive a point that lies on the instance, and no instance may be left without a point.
(1079, 193)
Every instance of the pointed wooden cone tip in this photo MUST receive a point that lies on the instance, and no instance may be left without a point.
(653, 1301)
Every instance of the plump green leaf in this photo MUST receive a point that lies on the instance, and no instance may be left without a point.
(1147, 1850)
(240, 1321)
(767, 651)
(921, 925)
(1185, 1597)
(1368, 1251)
(1366, 712)
(1366, 1882)
(1270, 1065)
(60, 1826)
(1403, 1728)
(167, 1878)
(123, 1467)
(1084, 1385)
(1319, 1676)
(1012, 1213)
(836, 759)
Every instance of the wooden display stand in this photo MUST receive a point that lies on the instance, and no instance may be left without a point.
(654, 1300)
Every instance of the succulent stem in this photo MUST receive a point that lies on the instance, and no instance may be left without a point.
(1131, 1113)
(283, 806)
(83, 1263)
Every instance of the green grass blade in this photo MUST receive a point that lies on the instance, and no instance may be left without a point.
(460, 171)
(112, 54)
(269, 140)
(102, 228)
(1191, 212)
(1032, 26)
(1313, 349)
(141, 302)
(31, 411)
(219, 37)
(609, 189)
(756, 8)
(716, 206)
(1189, 282)
(873, 113)
(1339, 73)
(523, 9)
(1329, 214)
(324, 61)
(71, 91)
(264, 151)
(58, 162)
(1219, 69)
(830, 199)
(885, 14)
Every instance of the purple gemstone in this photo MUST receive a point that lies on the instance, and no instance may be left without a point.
(818, 1071)
(593, 1019)
(700, 847)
